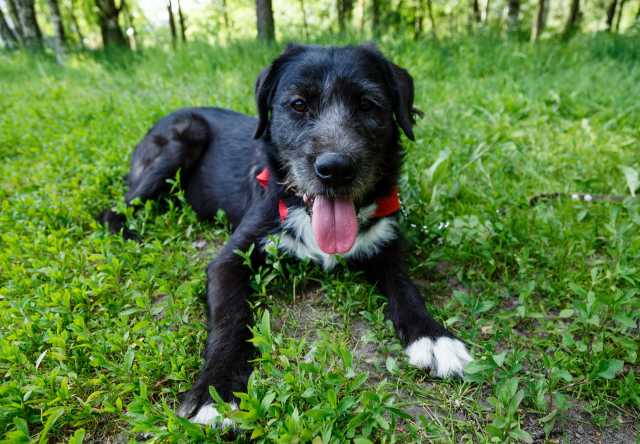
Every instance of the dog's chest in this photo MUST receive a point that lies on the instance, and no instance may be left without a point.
(296, 236)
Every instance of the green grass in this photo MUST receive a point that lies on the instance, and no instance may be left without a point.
(99, 335)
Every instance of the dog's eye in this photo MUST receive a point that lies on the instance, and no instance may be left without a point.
(366, 104)
(299, 105)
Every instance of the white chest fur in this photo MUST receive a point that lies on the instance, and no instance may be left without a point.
(297, 238)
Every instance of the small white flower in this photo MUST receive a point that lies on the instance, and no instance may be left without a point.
(575, 196)
(588, 197)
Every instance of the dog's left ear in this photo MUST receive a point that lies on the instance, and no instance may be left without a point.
(267, 83)
(400, 83)
(402, 86)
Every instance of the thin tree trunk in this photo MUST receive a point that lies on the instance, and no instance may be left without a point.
(487, 9)
(75, 25)
(513, 15)
(265, 24)
(172, 25)
(225, 15)
(540, 21)
(56, 19)
(432, 19)
(7, 34)
(15, 19)
(620, 11)
(364, 16)
(611, 13)
(110, 29)
(345, 13)
(418, 20)
(572, 20)
(130, 30)
(183, 23)
(305, 26)
(475, 7)
(375, 17)
(32, 36)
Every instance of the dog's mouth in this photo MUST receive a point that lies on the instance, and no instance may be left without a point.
(334, 222)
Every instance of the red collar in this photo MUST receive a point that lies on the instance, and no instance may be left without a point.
(385, 206)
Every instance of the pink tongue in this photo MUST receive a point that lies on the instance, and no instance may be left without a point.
(334, 223)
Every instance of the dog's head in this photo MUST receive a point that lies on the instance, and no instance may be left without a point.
(332, 116)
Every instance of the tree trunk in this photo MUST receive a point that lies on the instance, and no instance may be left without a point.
(305, 26)
(75, 25)
(225, 15)
(432, 19)
(611, 13)
(265, 25)
(572, 21)
(513, 15)
(475, 8)
(183, 23)
(620, 11)
(15, 19)
(56, 19)
(375, 17)
(131, 32)
(418, 20)
(110, 29)
(31, 34)
(345, 13)
(172, 25)
(540, 21)
(7, 34)
(487, 9)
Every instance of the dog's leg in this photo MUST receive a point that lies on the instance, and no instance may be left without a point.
(228, 350)
(165, 149)
(428, 343)
(175, 143)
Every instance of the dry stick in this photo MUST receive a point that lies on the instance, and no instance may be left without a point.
(584, 197)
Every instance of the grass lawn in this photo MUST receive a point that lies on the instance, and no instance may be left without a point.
(99, 335)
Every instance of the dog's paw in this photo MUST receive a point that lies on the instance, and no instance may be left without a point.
(444, 356)
(206, 415)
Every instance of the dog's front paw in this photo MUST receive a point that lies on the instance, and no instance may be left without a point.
(209, 415)
(444, 356)
(205, 413)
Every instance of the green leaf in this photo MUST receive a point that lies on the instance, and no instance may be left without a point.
(521, 435)
(392, 365)
(52, 417)
(499, 358)
(566, 313)
(77, 437)
(610, 368)
(631, 175)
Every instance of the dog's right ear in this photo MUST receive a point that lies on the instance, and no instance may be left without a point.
(267, 83)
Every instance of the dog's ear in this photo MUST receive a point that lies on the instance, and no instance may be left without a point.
(400, 83)
(267, 83)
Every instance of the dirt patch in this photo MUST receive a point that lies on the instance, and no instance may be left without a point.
(578, 427)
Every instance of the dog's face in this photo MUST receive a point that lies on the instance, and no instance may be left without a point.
(332, 116)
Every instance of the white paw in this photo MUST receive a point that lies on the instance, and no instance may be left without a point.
(209, 415)
(444, 356)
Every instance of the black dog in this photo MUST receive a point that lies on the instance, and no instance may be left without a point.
(318, 169)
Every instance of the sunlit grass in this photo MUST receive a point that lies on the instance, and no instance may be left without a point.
(101, 334)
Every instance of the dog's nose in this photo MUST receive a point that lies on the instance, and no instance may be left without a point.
(334, 168)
